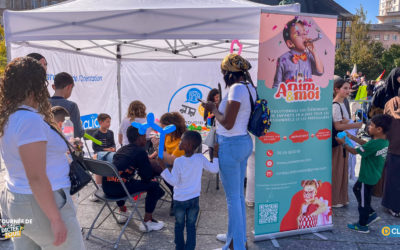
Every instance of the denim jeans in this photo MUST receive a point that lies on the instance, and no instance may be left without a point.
(233, 154)
(186, 211)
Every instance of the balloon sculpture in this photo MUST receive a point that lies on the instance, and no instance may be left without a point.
(347, 140)
(151, 124)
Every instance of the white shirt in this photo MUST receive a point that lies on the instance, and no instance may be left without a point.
(186, 175)
(126, 122)
(237, 92)
(336, 114)
(24, 127)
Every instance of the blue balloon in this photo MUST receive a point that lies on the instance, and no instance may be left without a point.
(342, 135)
(151, 124)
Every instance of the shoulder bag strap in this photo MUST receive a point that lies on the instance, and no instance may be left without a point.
(341, 111)
(251, 98)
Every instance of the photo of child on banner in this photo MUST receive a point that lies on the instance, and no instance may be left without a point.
(302, 60)
(309, 207)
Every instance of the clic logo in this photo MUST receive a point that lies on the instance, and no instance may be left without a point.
(391, 231)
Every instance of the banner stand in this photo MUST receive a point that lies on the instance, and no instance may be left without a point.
(274, 236)
(293, 174)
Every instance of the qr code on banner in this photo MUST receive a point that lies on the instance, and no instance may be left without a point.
(268, 213)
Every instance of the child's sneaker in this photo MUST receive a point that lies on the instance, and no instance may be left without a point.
(122, 215)
(93, 198)
(221, 237)
(372, 218)
(151, 225)
(357, 227)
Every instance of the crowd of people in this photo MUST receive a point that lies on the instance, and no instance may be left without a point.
(37, 182)
(379, 168)
(36, 157)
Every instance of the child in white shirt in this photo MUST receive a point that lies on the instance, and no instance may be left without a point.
(186, 179)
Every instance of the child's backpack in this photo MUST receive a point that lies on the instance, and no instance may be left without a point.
(259, 121)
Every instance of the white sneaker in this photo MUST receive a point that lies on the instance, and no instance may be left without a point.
(122, 217)
(151, 225)
(221, 237)
(93, 198)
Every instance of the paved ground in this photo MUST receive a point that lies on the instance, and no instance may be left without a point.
(213, 220)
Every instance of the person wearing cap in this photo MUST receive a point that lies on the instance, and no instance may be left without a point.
(235, 144)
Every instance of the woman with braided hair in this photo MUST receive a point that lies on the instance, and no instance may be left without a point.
(37, 180)
(235, 144)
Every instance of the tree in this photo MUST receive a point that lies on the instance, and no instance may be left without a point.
(342, 61)
(391, 57)
(3, 52)
(361, 51)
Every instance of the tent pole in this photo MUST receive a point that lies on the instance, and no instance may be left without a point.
(119, 81)
(8, 51)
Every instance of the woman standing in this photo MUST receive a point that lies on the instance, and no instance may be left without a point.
(341, 122)
(392, 166)
(37, 181)
(386, 92)
(235, 144)
(213, 96)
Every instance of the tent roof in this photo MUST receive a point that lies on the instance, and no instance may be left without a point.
(143, 29)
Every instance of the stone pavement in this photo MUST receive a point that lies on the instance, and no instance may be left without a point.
(213, 220)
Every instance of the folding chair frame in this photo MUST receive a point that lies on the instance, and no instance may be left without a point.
(112, 172)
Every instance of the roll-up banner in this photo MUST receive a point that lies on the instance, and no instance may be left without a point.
(293, 160)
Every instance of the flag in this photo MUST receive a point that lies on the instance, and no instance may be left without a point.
(354, 71)
(380, 77)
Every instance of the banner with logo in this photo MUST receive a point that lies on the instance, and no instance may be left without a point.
(293, 161)
(168, 86)
(95, 89)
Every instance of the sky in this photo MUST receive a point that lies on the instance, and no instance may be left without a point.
(371, 6)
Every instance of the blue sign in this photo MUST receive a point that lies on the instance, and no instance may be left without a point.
(90, 121)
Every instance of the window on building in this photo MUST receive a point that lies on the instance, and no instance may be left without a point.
(394, 37)
(377, 37)
(348, 23)
(337, 45)
(338, 35)
(339, 23)
(386, 37)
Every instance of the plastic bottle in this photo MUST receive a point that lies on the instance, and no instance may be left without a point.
(68, 128)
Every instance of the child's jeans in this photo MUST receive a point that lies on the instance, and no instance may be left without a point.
(186, 211)
(105, 156)
(363, 194)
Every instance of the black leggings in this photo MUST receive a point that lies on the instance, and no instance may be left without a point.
(152, 188)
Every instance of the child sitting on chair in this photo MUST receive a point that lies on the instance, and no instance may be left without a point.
(186, 179)
(128, 160)
(104, 134)
(106, 150)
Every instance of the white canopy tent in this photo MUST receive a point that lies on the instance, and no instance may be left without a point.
(128, 44)
(142, 29)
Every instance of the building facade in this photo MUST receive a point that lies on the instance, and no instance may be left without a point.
(387, 6)
(387, 31)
